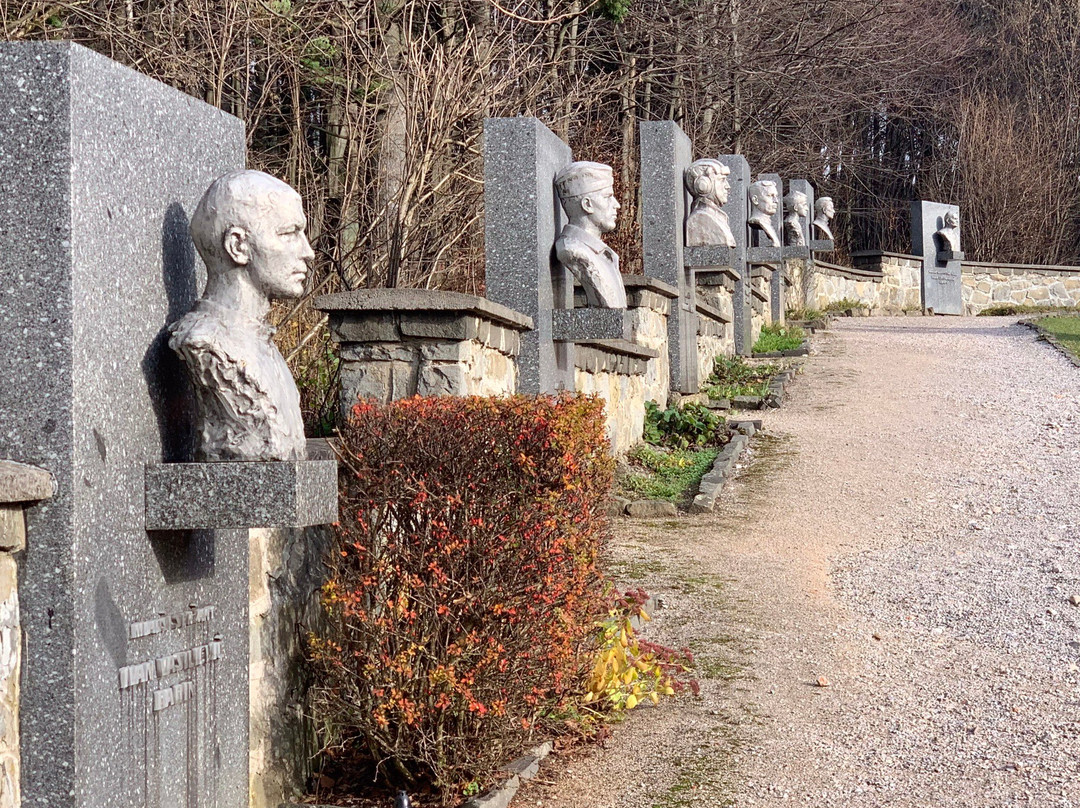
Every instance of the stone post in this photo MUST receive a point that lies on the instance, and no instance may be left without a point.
(736, 210)
(101, 168)
(665, 154)
(522, 219)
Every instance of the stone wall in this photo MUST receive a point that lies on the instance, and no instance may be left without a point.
(615, 371)
(649, 302)
(831, 283)
(396, 343)
(984, 285)
(21, 486)
(716, 331)
(901, 279)
(286, 572)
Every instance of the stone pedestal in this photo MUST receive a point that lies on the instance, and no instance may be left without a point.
(396, 343)
(134, 692)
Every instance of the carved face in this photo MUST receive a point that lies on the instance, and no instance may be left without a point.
(828, 210)
(765, 198)
(721, 188)
(602, 208)
(950, 219)
(802, 206)
(277, 248)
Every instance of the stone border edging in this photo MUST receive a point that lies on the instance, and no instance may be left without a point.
(713, 483)
(774, 398)
(1049, 338)
(522, 769)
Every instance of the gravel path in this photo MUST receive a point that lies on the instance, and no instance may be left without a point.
(906, 530)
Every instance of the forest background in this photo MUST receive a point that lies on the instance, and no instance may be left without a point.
(374, 109)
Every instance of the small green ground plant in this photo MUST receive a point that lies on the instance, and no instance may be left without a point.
(673, 473)
(736, 377)
(680, 446)
(1066, 329)
(777, 337)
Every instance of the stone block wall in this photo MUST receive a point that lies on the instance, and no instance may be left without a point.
(984, 285)
(615, 371)
(650, 302)
(901, 279)
(399, 343)
(832, 283)
(716, 331)
(21, 486)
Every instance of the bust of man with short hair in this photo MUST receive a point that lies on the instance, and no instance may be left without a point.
(249, 230)
(586, 191)
(824, 211)
(764, 202)
(949, 234)
(797, 209)
(707, 224)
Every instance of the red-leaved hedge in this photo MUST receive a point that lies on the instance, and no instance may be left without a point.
(464, 596)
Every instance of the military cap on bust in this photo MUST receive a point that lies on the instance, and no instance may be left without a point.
(583, 178)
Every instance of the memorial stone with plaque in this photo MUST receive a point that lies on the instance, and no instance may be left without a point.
(935, 235)
(135, 686)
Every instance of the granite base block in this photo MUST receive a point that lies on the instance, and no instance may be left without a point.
(193, 496)
(577, 325)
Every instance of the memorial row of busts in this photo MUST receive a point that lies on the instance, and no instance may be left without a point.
(586, 191)
(249, 231)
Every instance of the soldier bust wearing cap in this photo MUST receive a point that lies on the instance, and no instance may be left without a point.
(586, 191)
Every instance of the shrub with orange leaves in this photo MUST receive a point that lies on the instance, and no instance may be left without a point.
(464, 596)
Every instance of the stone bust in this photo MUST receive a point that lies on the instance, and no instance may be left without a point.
(586, 191)
(824, 211)
(249, 230)
(764, 202)
(949, 234)
(707, 224)
(796, 210)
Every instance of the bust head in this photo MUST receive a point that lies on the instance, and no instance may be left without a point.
(586, 191)
(951, 219)
(764, 197)
(708, 179)
(797, 203)
(824, 208)
(250, 221)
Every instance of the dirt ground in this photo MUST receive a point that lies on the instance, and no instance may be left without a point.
(906, 529)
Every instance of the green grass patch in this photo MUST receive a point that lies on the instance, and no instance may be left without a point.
(1012, 309)
(669, 474)
(1066, 329)
(778, 337)
(805, 314)
(844, 304)
(736, 377)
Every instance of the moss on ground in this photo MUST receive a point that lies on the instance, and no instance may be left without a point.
(1066, 329)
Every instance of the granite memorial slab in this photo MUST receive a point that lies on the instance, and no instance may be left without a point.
(935, 236)
(522, 220)
(135, 684)
(737, 210)
(666, 154)
(776, 227)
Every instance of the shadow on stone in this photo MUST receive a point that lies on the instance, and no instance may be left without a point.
(183, 555)
(170, 392)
